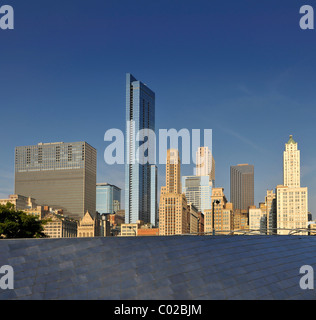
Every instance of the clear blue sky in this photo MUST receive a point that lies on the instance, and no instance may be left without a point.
(243, 68)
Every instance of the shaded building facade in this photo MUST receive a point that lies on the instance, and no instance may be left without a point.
(60, 175)
(242, 186)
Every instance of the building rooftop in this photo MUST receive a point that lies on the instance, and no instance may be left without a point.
(291, 140)
(154, 268)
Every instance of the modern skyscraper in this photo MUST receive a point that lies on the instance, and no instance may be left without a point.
(60, 175)
(140, 115)
(108, 198)
(205, 164)
(174, 215)
(242, 186)
(198, 191)
(291, 199)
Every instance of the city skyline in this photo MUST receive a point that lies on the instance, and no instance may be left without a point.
(266, 87)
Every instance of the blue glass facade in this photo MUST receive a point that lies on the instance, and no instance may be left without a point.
(108, 198)
(140, 114)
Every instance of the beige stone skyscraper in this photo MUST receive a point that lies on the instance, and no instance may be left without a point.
(291, 165)
(291, 198)
(174, 217)
(205, 164)
(220, 217)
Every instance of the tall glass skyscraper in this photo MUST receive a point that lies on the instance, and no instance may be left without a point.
(108, 198)
(140, 114)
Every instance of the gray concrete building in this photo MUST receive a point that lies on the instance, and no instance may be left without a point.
(60, 175)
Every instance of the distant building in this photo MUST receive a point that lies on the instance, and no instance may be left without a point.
(130, 229)
(108, 198)
(19, 202)
(60, 175)
(312, 228)
(153, 195)
(198, 190)
(241, 221)
(174, 216)
(105, 227)
(60, 226)
(39, 211)
(201, 222)
(257, 220)
(292, 206)
(270, 202)
(121, 213)
(194, 218)
(291, 165)
(205, 164)
(219, 219)
(89, 226)
(115, 219)
(140, 115)
(291, 198)
(242, 186)
(147, 230)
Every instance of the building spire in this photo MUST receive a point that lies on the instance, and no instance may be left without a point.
(291, 140)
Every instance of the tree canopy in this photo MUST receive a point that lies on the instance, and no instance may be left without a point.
(18, 224)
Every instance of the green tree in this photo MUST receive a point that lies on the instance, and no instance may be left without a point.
(18, 224)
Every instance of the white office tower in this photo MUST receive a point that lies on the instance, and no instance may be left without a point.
(292, 199)
(205, 164)
(291, 165)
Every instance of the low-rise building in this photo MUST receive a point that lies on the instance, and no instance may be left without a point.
(89, 226)
(257, 220)
(20, 202)
(59, 226)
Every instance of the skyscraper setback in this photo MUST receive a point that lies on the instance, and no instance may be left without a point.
(140, 115)
(291, 165)
(174, 215)
(291, 198)
(242, 186)
(205, 164)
